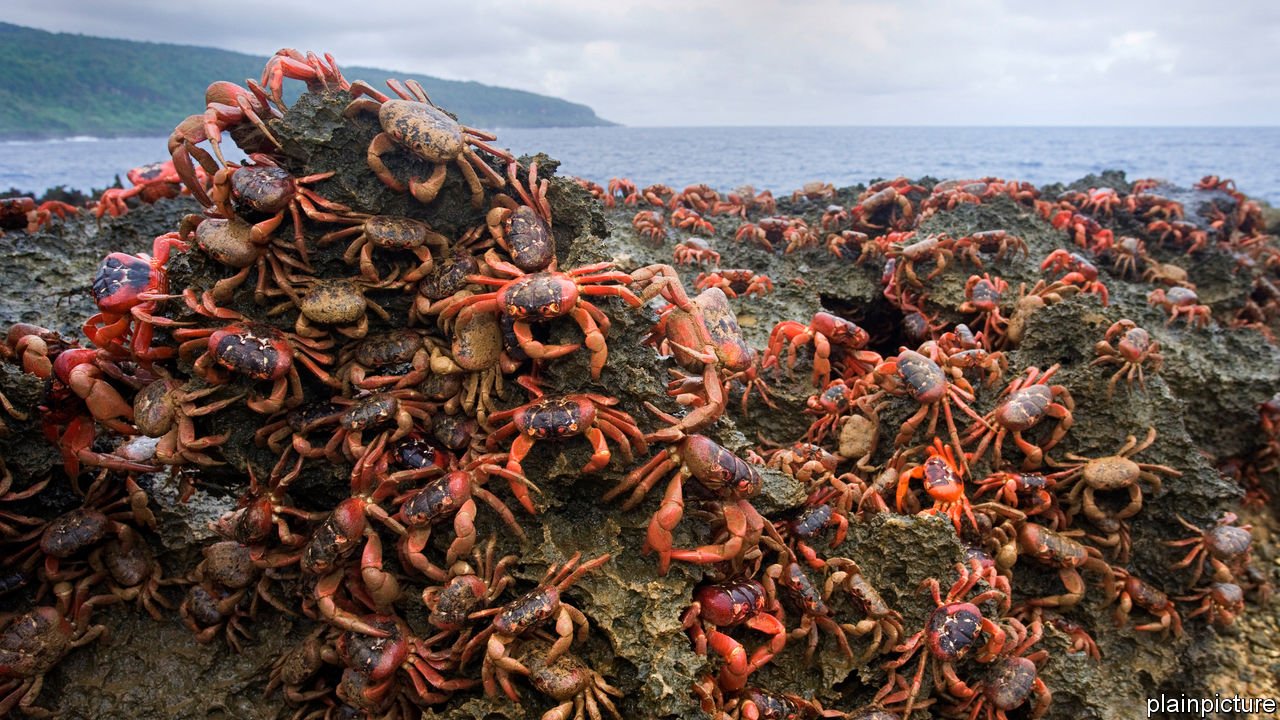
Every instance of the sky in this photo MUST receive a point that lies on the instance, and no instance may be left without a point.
(765, 62)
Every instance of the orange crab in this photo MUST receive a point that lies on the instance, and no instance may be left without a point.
(735, 282)
(1181, 301)
(1135, 350)
(650, 224)
(1079, 272)
(943, 480)
(982, 295)
(827, 332)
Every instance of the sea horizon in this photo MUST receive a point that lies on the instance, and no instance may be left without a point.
(727, 156)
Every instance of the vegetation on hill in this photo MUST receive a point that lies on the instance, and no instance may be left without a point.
(61, 84)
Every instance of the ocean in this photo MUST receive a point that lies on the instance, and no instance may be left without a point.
(783, 158)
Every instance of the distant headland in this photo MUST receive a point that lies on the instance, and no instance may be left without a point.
(59, 85)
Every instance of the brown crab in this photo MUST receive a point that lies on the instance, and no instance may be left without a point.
(391, 233)
(335, 305)
(580, 691)
(1085, 477)
(416, 124)
(33, 643)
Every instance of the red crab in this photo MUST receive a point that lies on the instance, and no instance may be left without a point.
(1219, 602)
(1085, 478)
(933, 388)
(1213, 182)
(23, 213)
(798, 591)
(809, 463)
(395, 359)
(165, 410)
(374, 663)
(1012, 681)
(826, 332)
(82, 372)
(826, 507)
(832, 406)
(999, 240)
(1181, 301)
(467, 587)
(392, 414)
(325, 558)
(262, 191)
(717, 473)
(842, 245)
(569, 681)
(126, 289)
(1129, 252)
(1225, 546)
(703, 336)
(1179, 233)
(1102, 201)
(522, 615)
(1079, 271)
(881, 621)
(1135, 350)
(227, 107)
(150, 182)
(1030, 400)
(1134, 591)
(1030, 493)
(229, 242)
(773, 230)
(658, 195)
(735, 282)
(700, 198)
(621, 190)
(982, 295)
(743, 199)
(955, 627)
(905, 251)
(1150, 206)
(1084, 230)
(1058, 550)
(885, 208)
(130, 571)
(559, 417)
(834, 216)
(694, 251)
(538, 297)
(733, 603)
(261, 517)
(523, 229)
(255, 351)
(966, 350)
(444, 499)
(756, 704)
(690, 220)
(67, 538)
(815, 190)
(317, 72)
(650, 224)
(943, 479)
(391, 233)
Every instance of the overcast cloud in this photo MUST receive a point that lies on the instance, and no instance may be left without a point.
(764, 62)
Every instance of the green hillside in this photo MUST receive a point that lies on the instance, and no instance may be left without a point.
(60, 84)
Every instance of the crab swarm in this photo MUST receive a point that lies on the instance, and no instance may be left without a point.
(399, 361)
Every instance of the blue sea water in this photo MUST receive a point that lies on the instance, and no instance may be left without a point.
(781, 158)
